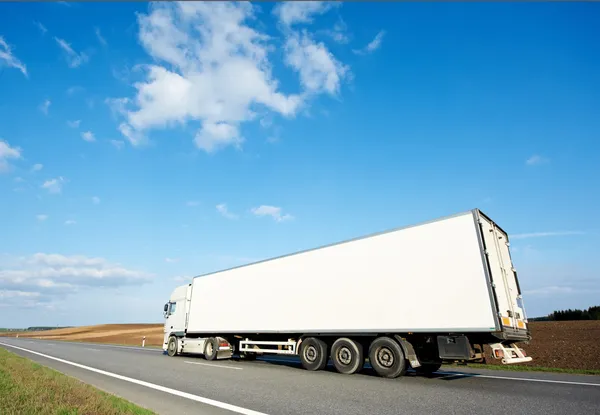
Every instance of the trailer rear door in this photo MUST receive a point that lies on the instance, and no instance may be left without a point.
(503, 276)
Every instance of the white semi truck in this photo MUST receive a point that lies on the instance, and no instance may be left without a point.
(415, 297)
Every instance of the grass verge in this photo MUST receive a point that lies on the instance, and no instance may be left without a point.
(517, 368)
(29, 388)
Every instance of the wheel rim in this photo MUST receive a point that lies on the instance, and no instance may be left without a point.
(172, 346)
(209, 348)
(344, 355)
(385, 357)
(310, 353)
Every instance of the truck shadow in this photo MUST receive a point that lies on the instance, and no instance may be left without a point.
(366, 371)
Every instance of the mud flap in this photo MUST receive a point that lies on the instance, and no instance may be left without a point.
(409, 351)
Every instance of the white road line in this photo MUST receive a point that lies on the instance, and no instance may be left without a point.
(476, 375)
(210, 364)
(175, 392)
(107, 345)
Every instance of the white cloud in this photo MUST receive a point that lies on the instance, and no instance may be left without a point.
(536, 159)
(19, 179)
(88, 136)
(99, 36)
(52, 276)
(273, 211)
(7, 152)
(544, 234)
(171, 260)
(373, 45)
(41, 217)
(224, 211)
(75, 89)
(70, 222)
(7, 58)
(338, 33)
(45, 106)
(211, 67)
(74, 124)
(319, 70)
(118, 143)
(74, 59)
(41, 27)
(54, 185)
(182, 279)
(192, 203)
(96, 200)
(292, 12)
(37, 167)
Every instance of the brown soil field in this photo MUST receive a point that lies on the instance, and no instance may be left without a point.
(554, 344)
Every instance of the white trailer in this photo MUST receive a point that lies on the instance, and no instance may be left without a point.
(415, 297)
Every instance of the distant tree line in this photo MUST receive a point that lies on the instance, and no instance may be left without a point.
(592, 313)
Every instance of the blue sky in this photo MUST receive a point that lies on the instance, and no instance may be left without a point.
(142, 145)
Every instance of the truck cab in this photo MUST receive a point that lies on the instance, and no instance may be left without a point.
(176, 312)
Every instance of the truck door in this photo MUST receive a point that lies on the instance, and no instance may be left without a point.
(503, 275)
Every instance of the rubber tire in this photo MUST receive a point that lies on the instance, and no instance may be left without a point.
(357, 357)
(215, 349)
(428, 368)
(320, 347)
(172, 346)
(398, 368)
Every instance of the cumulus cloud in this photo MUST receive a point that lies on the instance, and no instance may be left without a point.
(372, 46)
(224, 211)
(295, 12)
(272, 211)
(74, 59)
(88, 136)
(52, 276)
(7, 152)
(7, 58)
(210, 66)
(54, 185)
(536, 160)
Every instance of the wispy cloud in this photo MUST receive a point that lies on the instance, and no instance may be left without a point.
(544, 234)
(192, 203)
(75, 89)
(74, 59)
(74, 124)
(45, 106)
(224, 211)
(7, 58)
(117, 143)
(272, 211)
(373, 45)
(70, 222)
(42, 217)
(99, 36)
(88, 136)
(41, 27)
(171, 260)
(536, 160)
(54, 185)
(96, 200)
(37, 167)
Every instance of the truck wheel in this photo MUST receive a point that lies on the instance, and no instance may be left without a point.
(211, 348)
(172, 346)
(387, 358)
(347, 356)
(313, 354)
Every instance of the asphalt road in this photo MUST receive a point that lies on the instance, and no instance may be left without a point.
(191, 385)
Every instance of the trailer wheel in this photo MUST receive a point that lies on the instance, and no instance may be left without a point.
(313, 354)
(211, 348)
(172, 346)
(387, 358)
(347, 356)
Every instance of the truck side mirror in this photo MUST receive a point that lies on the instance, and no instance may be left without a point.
(166, 307)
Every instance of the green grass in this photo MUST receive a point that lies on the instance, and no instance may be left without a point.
(29, 388)
(517, 368)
